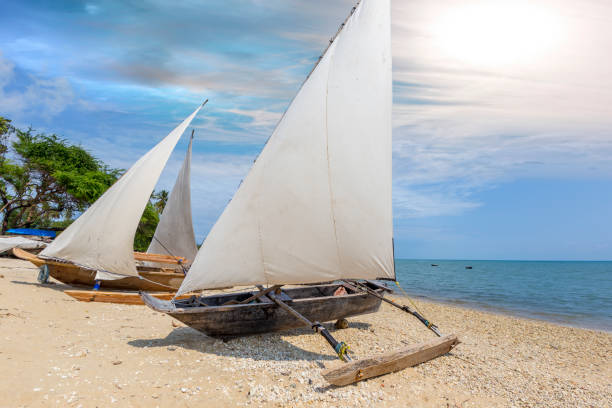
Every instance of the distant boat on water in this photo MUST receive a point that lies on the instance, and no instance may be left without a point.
(468, 267)
(435, 265)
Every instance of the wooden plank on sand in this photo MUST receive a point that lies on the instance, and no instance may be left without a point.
(387, 363)
(125, 298)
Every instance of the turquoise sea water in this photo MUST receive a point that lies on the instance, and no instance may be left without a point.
(571, 293)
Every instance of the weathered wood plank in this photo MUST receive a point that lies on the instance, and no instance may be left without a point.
(125, 298)
(387, 363)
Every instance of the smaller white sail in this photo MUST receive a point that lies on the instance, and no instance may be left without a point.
(174, 234)
(102, 238)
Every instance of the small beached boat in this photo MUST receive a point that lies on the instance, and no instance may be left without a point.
(149, 277)
(315, 207)
(245, 313)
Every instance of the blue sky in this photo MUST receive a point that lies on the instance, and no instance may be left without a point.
(502, 109)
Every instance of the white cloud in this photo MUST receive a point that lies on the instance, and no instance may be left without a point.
(409, 203)
(41, 96)
(214, 179)
(463, 123)
(259, 118)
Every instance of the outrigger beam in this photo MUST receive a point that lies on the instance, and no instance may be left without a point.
(387, 363)
(340, 348)
(358, 285)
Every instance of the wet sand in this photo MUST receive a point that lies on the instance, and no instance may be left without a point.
(56, 351)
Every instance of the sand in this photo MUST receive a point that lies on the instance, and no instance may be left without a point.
(56, 351)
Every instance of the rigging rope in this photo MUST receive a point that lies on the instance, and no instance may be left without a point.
(180, 262)
(409, 300)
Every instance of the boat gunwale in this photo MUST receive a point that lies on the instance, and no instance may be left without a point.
(38, 261)
(171, 308)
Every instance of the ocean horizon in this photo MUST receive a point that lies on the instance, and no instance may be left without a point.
(571, 293)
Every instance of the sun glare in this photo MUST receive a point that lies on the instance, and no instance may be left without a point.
(493, 34)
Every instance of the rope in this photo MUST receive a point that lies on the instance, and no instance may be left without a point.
(171, 254)
(167, 250)
(410, 300)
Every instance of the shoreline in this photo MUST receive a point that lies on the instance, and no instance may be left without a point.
(496, 310)
(56, 351)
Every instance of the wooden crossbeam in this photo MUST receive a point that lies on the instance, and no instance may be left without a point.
(126, 298)
(160, 258)
(262, 292)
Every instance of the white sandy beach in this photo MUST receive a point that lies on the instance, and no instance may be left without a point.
(56, 351)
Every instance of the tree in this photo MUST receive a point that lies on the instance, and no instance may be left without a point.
(6, 129)
(161, 199)
(48, 181)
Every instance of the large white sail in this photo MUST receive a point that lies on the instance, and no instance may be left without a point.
(174, 234)
(102, 238)
(316, 205)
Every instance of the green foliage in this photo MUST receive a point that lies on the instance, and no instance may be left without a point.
(146, 228)
(161, 199)
(50, 180)
(6, 129)
(5, 126)
(45, 180)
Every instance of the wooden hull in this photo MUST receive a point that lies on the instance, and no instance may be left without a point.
(154, 279)
(316, 303)
(125, 298)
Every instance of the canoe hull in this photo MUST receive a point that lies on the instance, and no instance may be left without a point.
(265, 316)
(154, 279)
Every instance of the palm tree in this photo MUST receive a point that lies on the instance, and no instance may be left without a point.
(160, 200)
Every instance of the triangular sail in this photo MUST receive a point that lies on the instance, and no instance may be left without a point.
(316, 205)
(102, 238)
(174, 234)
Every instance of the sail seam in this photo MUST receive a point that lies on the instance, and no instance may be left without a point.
(261, 249)
(329, 177)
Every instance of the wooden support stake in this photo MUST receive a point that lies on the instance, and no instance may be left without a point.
(390, 362)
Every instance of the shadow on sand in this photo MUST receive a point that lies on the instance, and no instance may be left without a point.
(268, 346)
(51, 285)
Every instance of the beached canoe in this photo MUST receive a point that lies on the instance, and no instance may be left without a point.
(150, 279)
(216, 316)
